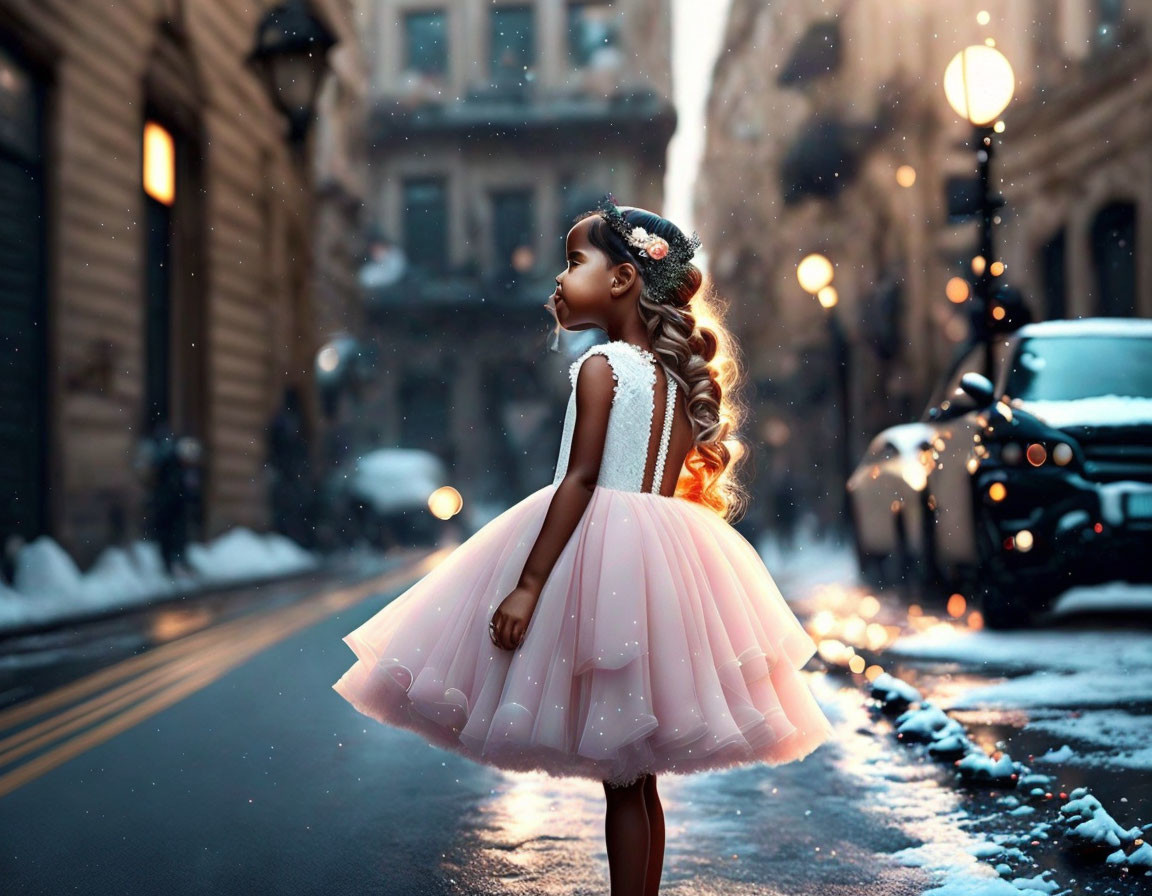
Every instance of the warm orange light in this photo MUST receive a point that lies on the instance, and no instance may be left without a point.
(957, 605)
(445, 502)
(998, 312)
(957, 290)
(978, 263)
(997, 268)
(828, 297)
(1036, 454)
(906, 175)
(159, 163)
(997, 491)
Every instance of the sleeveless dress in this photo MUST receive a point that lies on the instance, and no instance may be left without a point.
(659, 643)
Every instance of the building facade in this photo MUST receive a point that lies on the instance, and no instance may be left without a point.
(157, 259)
(829, 132)
(492, 126)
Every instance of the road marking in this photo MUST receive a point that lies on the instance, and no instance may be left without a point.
(164, 676)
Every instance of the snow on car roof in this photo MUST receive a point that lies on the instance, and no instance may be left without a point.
(1090, 326)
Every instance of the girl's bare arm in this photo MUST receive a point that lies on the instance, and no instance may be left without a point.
(595, 387)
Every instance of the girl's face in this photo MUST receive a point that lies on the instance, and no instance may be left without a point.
(582, 298)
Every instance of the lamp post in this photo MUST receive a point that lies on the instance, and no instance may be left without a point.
(815, 273)
(978, 84)
(290, 53)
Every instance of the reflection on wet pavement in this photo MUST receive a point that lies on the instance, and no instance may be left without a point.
(826, 825)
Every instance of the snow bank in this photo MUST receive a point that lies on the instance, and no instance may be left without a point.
(242, 554)
(48, 586)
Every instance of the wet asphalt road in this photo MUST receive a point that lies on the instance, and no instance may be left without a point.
(219, 760)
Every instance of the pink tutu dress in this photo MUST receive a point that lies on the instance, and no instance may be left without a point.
(660, 642)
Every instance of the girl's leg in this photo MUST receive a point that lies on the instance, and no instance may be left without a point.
(655, 837)
(626, 835)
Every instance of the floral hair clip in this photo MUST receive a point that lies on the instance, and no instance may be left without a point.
(655, 247)
(650, 248)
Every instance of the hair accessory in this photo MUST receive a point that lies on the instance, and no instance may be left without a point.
(661, 262)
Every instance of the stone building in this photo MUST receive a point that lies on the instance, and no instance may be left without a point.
(829, 132)
(157, 256)
(492, 126)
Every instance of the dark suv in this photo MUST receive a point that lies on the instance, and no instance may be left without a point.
(1016, 491)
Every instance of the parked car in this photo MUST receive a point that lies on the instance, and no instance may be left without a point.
(1013, 491)
(389, 497)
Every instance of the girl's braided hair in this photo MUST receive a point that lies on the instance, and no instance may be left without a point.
(686, 331)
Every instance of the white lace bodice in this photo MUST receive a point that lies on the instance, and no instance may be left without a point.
(630, 421)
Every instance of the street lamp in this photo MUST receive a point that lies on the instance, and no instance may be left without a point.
(290, 55)
(978, 84)
(815, 273)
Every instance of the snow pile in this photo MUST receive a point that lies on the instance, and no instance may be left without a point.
(926, 724)
(48, 587)
(242, 554)
(971, 885)
(892, 691)
(1089, 827)
(979, 767)
(1141, 857)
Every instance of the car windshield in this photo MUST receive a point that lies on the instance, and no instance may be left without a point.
(1063, 369)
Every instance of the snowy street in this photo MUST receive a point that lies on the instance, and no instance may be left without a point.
(1064, 705)
(216, 729)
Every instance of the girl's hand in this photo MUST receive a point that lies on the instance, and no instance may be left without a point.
(510, 620)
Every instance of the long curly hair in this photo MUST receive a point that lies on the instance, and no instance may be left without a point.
(686, 330)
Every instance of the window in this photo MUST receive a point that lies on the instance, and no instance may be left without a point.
(512, 230)
(593, 32)
(425, 42)
(1052, 261)
(1114, 256)
(1063, 368)
(426, 223)
(511, 41)
(575, 197)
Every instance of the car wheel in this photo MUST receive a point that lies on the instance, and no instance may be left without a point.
(1006, 604)
(871, 566)
(903, 563)
(930, 578)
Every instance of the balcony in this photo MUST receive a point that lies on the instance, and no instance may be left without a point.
(520, 109)
(462, 288)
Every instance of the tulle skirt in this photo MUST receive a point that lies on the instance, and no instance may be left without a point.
(659, 644)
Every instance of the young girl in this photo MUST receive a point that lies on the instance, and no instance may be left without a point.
(611, 625)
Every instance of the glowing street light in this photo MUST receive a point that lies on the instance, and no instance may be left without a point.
(814, 273)
(979, 83)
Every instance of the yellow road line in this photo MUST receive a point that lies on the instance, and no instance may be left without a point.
(167, 674)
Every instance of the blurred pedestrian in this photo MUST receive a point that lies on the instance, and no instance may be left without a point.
(290, 495)
(171, 469)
